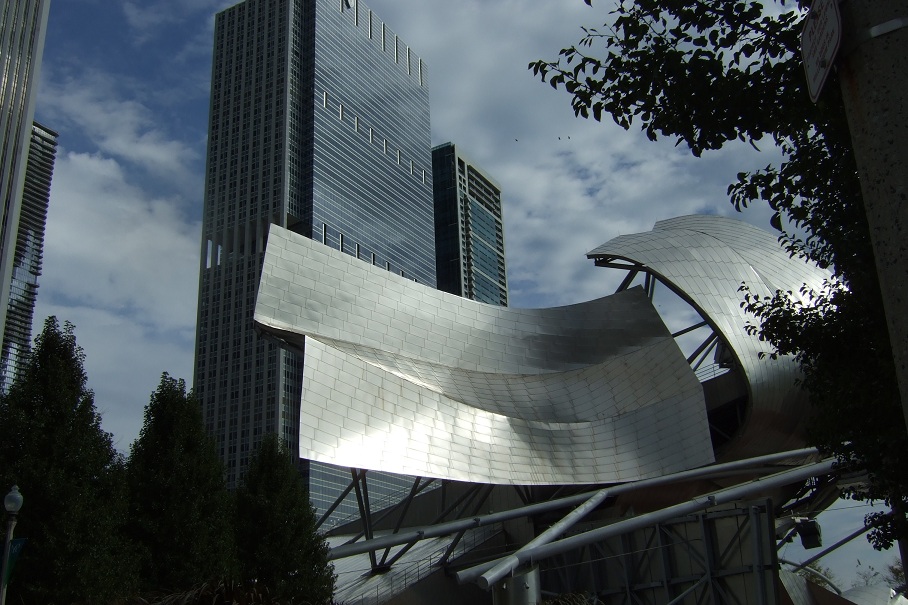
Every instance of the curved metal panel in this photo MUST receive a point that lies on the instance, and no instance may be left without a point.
(403, 378)
(706, 259)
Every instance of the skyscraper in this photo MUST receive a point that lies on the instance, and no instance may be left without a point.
(22, 27)
(23, 283)
(469, 232)
(319, 122)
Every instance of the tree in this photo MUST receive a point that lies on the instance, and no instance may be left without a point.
(180, 509)
(277, 543)
(707, 74)
(867, 575)
(895, 575)
(71, 477)
(819, 575)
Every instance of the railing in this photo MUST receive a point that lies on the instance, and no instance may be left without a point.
(709, 371)
(411, 572)
(376, 504)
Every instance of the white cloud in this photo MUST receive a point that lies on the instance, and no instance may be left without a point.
(95, 105)
(112, 246)
(122, 265)
(148, 19)
(124, 361)
(568, 184)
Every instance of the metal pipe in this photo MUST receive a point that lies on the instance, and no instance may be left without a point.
(7, 542)
(443, 529)
(509, 564)
(812, 571)
(697, 504)
(681, 596)
(838, 544)
(684, 331)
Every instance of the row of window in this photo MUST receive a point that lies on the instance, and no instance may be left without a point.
(369, 133)
(380, 32)
(335, 239)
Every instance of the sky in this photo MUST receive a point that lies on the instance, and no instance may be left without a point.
(125, 84)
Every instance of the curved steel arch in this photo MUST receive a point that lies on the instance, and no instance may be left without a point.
(403, 378)
(705, 260)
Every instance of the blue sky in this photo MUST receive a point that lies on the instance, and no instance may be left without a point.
(125, 83)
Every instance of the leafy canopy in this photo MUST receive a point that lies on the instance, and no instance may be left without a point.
(180, 509)
(276, 538)
(71, 477)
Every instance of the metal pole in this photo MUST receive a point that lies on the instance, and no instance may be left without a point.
(731, 494)
(509, 564)
(812, 572)
(681, 596)
(451, 527)
(825, 552)
(10, 527)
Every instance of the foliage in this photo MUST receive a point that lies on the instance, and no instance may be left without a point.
(277, 543)
(221, 592)
(894, 575)
(71, 477)
(707, 74)
(866, 576)
(180, 509)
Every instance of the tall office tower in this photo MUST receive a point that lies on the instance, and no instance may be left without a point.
(319, 122)
(469, 232)
(23, 285)
(22, 27)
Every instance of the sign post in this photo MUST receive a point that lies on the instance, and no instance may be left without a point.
(820, 40)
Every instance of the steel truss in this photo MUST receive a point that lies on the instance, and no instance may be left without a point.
(716, 557)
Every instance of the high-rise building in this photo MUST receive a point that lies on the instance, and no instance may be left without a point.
(469, 232)
(23, 283)
(319, 122)
(22, 27)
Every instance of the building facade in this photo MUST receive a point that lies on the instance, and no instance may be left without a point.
(23, 24)
(23, 282)
(469, 231)
(319, 123)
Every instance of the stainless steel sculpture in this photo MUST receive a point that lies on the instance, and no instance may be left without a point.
(401, 377)
(705, 259)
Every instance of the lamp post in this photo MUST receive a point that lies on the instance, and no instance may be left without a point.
(12, 502)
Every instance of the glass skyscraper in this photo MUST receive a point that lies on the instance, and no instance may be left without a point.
(469, 231)
(319, 122)
(23, 24)
(23, 284)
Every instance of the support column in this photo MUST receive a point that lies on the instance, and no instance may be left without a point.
(874, 87)
(872, 75)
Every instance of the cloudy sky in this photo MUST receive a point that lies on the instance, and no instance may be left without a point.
(125, 83)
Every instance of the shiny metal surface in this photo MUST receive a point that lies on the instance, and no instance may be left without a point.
(403, 378)
(705, 259)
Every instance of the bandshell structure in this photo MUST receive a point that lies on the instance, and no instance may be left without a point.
(705, 259)
(403, 378)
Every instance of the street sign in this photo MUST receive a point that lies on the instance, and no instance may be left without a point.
(820, 40)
